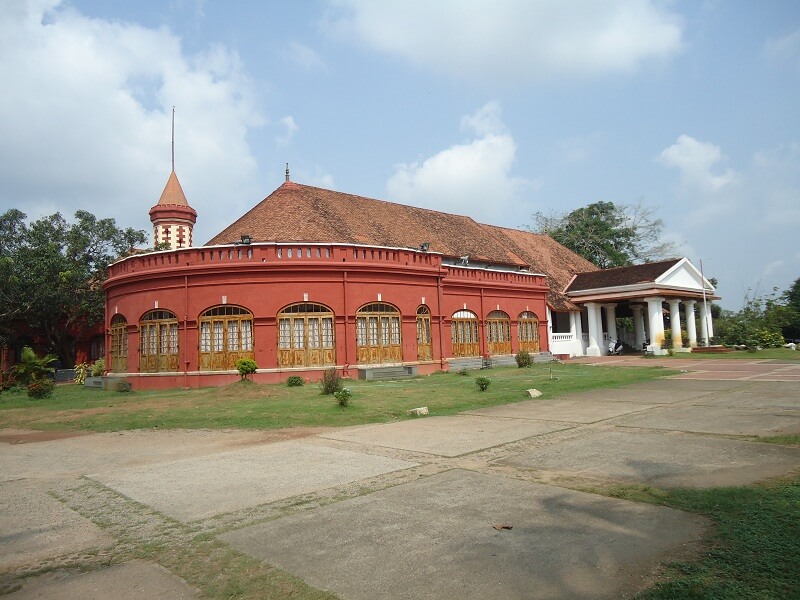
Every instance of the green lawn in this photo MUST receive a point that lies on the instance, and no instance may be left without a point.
(254, 406)
(753, 551)
(781, 354)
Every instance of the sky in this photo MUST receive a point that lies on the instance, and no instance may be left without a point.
(492, 109)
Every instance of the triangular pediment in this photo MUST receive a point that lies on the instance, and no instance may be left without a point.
(684, 275)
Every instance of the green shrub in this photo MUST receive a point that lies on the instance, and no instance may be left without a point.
(31, 367)
(482, 383)
(464, 372)
(80, 373)
(331, 382)
(295, 381)
(770, 339)
(246, 367)
(99, 367)
(8, 385)
(41, 388)
(124, 386)
(524, 359)
(343, 396)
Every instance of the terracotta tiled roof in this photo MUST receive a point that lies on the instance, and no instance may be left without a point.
(301, 213)
(545, 255)
(621, 276)
(173, 193)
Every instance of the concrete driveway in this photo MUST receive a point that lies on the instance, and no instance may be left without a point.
(482, 504)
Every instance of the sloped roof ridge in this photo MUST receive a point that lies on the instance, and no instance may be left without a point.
(360, 197)
(666, 261)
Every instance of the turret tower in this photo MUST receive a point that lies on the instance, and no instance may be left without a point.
(172, 217)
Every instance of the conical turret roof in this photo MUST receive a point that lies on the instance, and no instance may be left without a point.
(173, 193)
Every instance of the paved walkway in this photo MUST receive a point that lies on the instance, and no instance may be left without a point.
(488, 503)
(717, 369)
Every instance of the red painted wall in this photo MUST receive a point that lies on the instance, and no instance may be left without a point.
(263, 278)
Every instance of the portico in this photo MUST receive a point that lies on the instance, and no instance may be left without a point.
(651, 296)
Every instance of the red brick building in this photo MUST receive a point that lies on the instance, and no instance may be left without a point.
(312, 278)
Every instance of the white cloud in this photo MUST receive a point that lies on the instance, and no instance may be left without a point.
(289, 127)
(578, 149)
(315, 176)
(695, 160)
(104, 145)
(785, 48)
(302, 55)
(471, 178)
(508, 40)
(774, 266)
(752, 224)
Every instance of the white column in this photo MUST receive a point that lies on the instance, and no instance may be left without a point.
(655, 318)
(574, 331)
(675, 322)
(691, 328)
(706, 324)
(611, 320)
(549, 317)
(595, 329)
(638, 325)
(710, 323)
(704, 319)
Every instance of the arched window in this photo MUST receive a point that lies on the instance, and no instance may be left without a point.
(378, 334)
(424, 347)
(528, 332)
(119, 345)
(498, 333)
(158, 342)
(464, 327)
(226, 335)
(305, 336)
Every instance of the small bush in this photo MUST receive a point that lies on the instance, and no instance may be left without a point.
(482, 383)
(99, 367)
(464, 372)
(246, 367)
(524, 359)
(40, 388)
(343, 396)
(295, 381)
(331, 382)
(80, 373)
(124, 386)
(32, 368)
(8, 385)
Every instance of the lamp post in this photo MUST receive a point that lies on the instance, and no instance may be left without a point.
(705, 307)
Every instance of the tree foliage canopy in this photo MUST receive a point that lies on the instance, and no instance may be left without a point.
(607, 234)
(52, 273)
(763, 321)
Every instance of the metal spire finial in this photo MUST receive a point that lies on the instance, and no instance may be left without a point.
(173, 139)
(287, 171)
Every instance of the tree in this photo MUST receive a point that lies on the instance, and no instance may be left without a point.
(609, 235)
(758, 323)
(52, 273)
(791, 330)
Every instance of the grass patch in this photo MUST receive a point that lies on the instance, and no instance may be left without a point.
(753, 551)
(781, 354)
(259, 406)
(783, 440)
